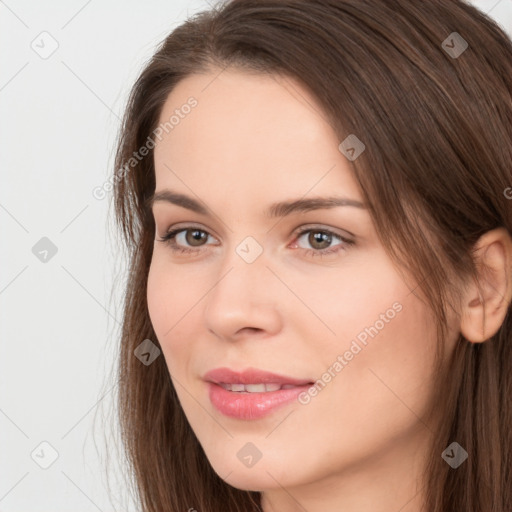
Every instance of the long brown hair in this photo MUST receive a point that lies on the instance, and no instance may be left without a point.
(434, 110)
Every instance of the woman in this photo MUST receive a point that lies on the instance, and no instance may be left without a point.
(314, 200)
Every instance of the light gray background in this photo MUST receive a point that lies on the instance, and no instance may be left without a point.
(59, 319)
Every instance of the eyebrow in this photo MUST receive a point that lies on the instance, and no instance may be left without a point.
(280, 209)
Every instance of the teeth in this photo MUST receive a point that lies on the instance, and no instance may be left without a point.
(255, 388)
(273, 387)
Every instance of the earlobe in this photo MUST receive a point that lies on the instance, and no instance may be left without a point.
(486, 307)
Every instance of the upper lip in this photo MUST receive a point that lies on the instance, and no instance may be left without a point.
(250, 376)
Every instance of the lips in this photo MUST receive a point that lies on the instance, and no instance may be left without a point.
(251, 394)
(255, 388)
(252, 376)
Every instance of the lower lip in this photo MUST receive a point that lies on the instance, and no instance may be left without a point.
(251, 406)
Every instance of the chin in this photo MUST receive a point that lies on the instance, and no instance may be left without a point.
(251, 480)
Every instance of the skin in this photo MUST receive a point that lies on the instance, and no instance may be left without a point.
(360, 444)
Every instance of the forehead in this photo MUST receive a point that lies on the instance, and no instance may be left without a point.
(247, 130)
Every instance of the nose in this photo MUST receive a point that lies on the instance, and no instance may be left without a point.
(244, 300)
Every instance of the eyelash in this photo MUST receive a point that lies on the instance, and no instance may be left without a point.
(170, 236)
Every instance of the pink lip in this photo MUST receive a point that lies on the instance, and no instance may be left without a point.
(250, 406)
(250, 376)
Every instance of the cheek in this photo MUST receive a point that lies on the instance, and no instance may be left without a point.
(174, 297)
(159, 302)
(166, 300)
(170, 294)
(393, 372)
(360, 303)
(386, 336)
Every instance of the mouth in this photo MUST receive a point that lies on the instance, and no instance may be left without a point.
(252, 377)
(252, 394)
(255, 388)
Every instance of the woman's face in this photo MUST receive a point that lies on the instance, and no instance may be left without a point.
(252, 292)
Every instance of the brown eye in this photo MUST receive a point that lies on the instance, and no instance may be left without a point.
(322, 242)
(195, 237)
(186, 239)
(319, 239)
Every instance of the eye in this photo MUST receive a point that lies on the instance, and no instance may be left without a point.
(189, 235)
(192, 239)
(321, 239)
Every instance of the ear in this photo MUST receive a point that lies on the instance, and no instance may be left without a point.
(485, 309)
